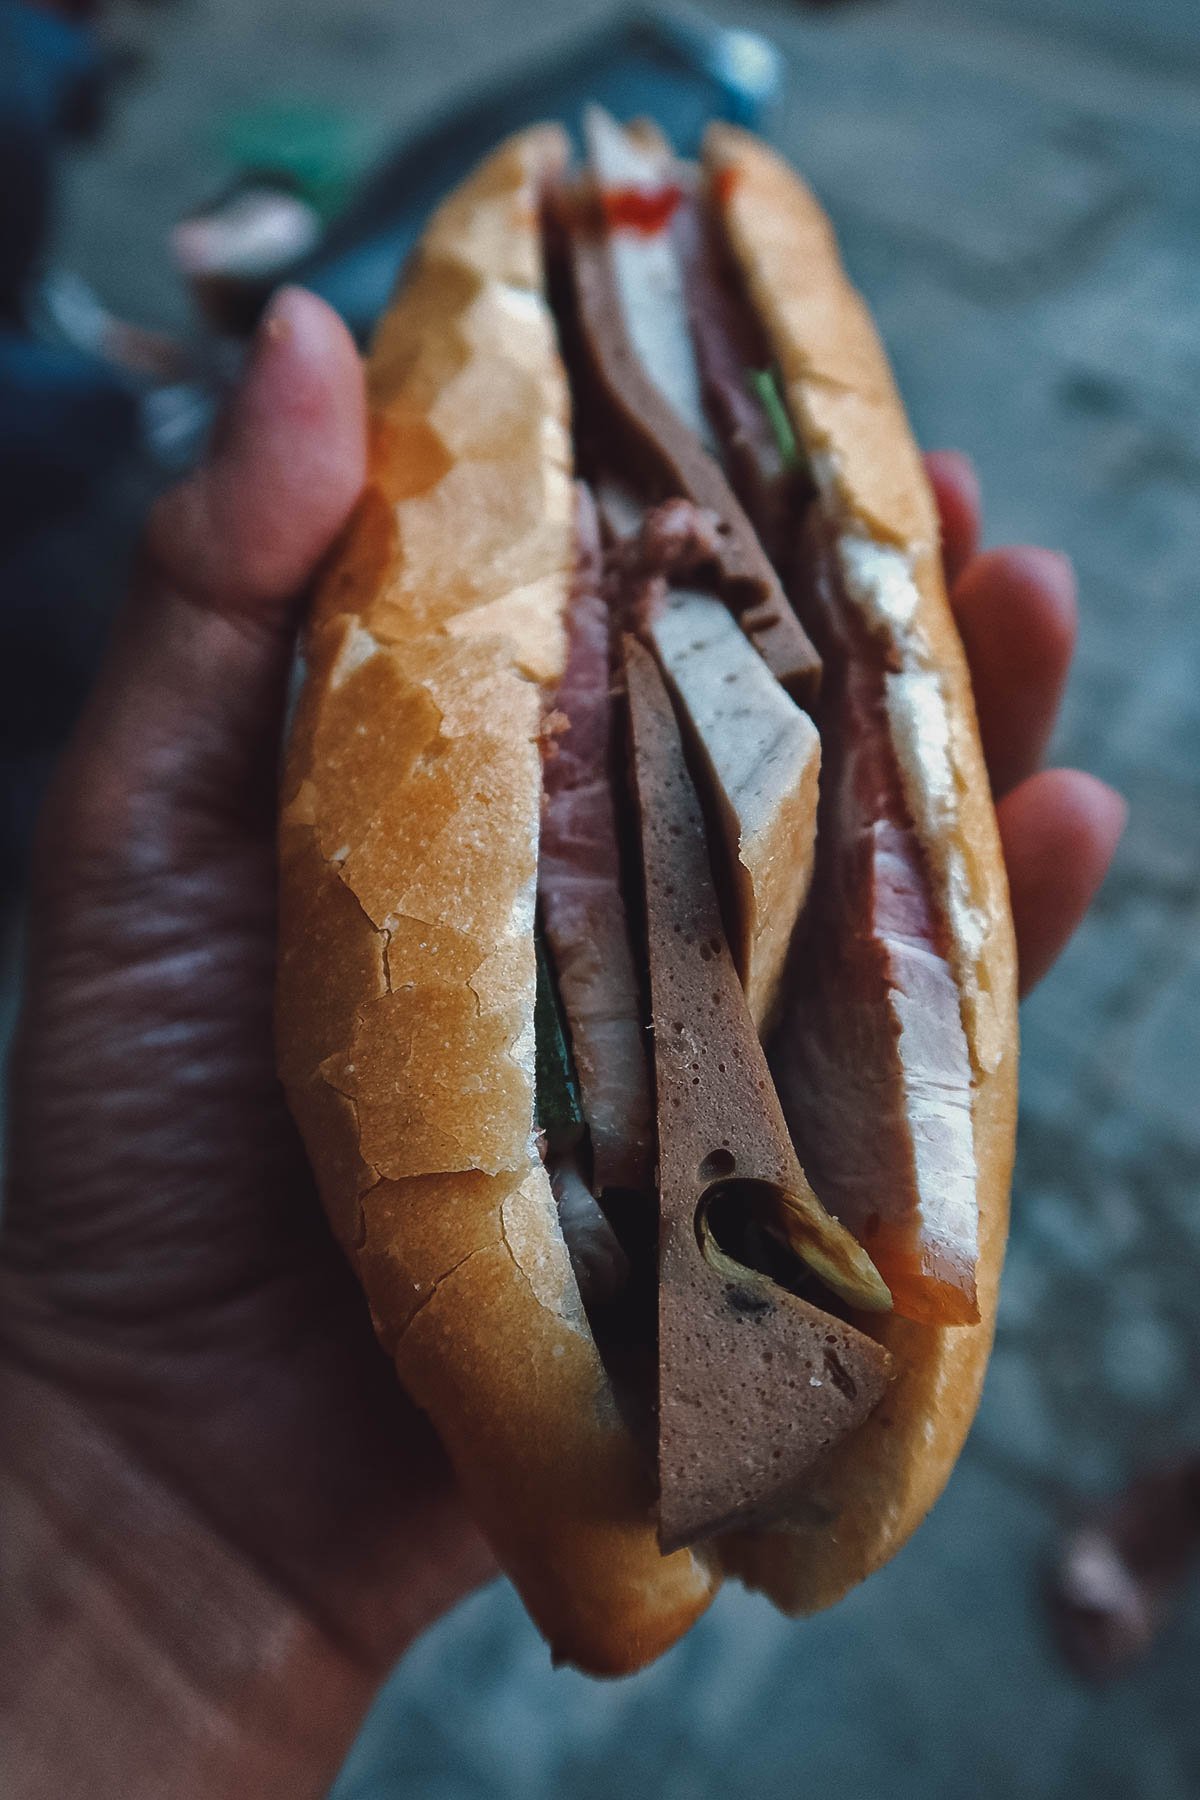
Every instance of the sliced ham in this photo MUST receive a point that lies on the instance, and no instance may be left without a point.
(649, 549)
(579, 886)
(872, 1064)
(600, 1264)
(675, 540)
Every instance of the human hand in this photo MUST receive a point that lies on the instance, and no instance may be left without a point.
(167, 1282)
(1016, 613)
(179, 1337)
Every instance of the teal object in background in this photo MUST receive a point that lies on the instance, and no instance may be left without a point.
(322, 151)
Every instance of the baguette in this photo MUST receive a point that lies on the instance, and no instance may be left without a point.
(409, 849)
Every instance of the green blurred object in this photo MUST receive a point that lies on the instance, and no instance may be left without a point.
(766, 384)
(322, 151)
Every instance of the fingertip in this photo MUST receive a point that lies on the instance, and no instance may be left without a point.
(1017, 614)
(954, 469)
(286, 466)
(1022, 601)
(305, 371)
(1094, 818)
(295, 456)
(1060, 830)
(956, 490)
(1039, 581)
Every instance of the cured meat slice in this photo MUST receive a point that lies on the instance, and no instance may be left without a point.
(579, 886)
(872, 1063)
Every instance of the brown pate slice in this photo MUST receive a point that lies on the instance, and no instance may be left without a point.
(754, 1383)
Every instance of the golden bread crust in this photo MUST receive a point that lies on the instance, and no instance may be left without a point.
(877, 1486)
(408, 848)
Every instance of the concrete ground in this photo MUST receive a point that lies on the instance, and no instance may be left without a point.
(1015, 186)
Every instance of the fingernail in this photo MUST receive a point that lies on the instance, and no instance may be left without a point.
(1118, 812)
(962, 465)
(250, 393)
(276, 326)
(276, 323)
(1044, 564)
(1059, 566)
(961, 461)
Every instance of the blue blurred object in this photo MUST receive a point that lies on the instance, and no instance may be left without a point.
(679, 72)
(61, 413)
(66, 423)
(48, 67)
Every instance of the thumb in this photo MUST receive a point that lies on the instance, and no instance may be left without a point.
(241, 536)
(182, 727)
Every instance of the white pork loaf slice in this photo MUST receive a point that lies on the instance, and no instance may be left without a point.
(762, 757)
(408, 852)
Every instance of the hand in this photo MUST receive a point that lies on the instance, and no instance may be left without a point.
(181, 1346)
(168, 1281)
(1016, 614)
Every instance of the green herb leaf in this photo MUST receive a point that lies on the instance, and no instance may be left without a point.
(765, 384)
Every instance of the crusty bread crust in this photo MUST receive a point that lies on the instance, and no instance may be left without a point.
(408, 848)
(878, 1485)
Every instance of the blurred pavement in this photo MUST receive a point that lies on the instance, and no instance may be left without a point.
(1016, 190)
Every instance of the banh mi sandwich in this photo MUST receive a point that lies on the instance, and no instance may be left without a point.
(647, 983)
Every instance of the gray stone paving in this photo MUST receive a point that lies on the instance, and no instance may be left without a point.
(1016, 188)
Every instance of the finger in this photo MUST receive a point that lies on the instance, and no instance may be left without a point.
(187, 710)
(1017, 616)
(1060, 830)
(956, 490)
(242, 535)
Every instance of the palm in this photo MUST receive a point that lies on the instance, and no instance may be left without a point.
(224, 1336)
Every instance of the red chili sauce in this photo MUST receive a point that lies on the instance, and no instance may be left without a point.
(647, 210)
